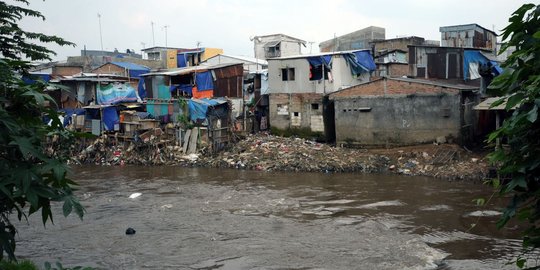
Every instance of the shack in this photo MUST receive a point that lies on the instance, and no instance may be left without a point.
(404, 111)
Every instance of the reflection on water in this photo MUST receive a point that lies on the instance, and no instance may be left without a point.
(227, 219)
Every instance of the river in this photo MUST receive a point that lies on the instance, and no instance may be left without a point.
(194, 218)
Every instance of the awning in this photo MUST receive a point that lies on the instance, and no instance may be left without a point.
(272, 43)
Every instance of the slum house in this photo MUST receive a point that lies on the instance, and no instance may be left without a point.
(179, 57)
(297, 84)
(392, 63)
(130, 71)
(97, 95)
(404, 111)
(470, 66)
(469, 36)
(257, 102)
(276, 45)
(165, 88)
(357, 40)
(250, 64)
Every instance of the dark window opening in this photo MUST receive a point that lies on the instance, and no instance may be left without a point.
(296, 114)
(316, 73)
(287, 74)
(314, 106)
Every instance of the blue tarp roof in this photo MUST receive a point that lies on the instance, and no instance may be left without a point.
(317, 61)
(131, 66)
(134, 69)
(199, 107)
(365, 59)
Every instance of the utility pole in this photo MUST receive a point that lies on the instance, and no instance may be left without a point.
(100, 35)
(153, 38)
(165, 27)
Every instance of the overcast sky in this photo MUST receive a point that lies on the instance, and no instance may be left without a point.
(228, 24)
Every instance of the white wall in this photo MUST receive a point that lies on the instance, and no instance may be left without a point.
(341, 74)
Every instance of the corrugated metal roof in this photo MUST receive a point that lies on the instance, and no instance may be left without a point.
(242, 58)
(441, 83)
(486, 105)
(315, 54)
(188, 70)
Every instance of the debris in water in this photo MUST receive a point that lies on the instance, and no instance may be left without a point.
(130, 231)
(135, 195)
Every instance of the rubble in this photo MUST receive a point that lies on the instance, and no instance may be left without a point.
(265, 152)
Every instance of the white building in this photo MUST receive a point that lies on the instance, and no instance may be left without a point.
(277, 45)
(250, 64)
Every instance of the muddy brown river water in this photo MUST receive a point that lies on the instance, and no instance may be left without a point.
(227, 219)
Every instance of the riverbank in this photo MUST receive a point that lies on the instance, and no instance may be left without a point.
(264, 152)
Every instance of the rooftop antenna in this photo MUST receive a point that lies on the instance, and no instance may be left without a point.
(153, 37)
(198, 44)
(100, 35)
(165, 28)
(310, 46)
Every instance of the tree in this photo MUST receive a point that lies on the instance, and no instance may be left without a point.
(520, 163)
(30, 178)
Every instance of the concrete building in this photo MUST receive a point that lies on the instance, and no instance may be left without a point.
(297, 84)
(403, 111)
(392, 63)
(357, 40)
(456, 63)
(276, 45)
(250, 64)
(468, 36)
(179, 57)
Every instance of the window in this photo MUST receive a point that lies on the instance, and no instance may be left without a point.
(287, 74)
(316, 73)
(314, 106)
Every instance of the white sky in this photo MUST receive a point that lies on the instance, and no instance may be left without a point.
(228, 24)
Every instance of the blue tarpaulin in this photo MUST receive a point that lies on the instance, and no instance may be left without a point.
(181, 60)
(365, 59)
(186, 88)
(110, 117)
(472, 56)
(69, 113)
(360, 62)
(141, 89)
(33, 77)
(204, 81)
(135, 70)
(317, 61)
(199, 107)
(115, 93)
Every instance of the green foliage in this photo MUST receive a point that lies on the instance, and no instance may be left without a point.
(520, 83)
(22, 265)
(30, 178)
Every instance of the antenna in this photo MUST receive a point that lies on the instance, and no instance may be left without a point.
(100, 35)
(198, 44)
(153, 38)
(310, 45)
(165, 28)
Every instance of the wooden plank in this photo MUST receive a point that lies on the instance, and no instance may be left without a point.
(186, 141)
(192, 148)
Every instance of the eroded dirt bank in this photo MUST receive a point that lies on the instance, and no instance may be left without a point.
(266, 152)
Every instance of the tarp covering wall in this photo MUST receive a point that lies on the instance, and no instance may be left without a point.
(360, 62)
(110, 117)
(115, 93)
(198, 108)
(134, 70)
(317, 61)
(204, 81)
(141, 88)
(181, 60)
(475, 59)
(365, 59)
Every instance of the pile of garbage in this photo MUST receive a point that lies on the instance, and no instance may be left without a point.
(265, 152)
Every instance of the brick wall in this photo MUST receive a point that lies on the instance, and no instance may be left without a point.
(296, 110)
(110, 69)
(66, 70)
(387, 87)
